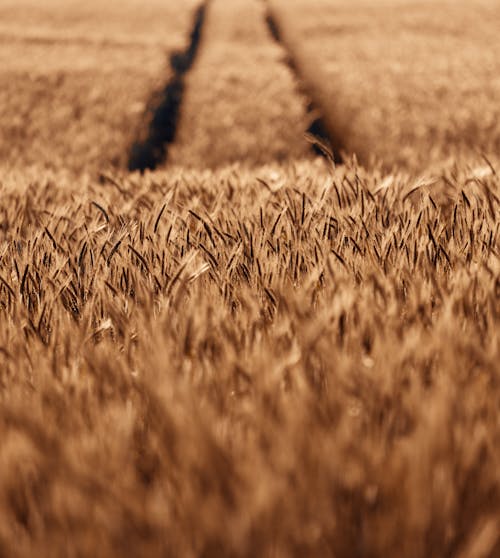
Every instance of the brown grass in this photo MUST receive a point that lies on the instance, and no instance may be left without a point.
(281, 363)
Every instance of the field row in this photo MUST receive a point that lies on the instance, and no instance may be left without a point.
(241, 101)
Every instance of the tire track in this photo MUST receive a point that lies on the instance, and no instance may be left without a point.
(150, 149)
(324, 125)
(241, 103)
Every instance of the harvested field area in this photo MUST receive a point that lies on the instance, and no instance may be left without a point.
(240, 349)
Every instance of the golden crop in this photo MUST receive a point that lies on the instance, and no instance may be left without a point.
(276, 357)
(409, 84)
(230, 364)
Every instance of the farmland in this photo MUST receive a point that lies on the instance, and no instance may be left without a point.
(74, 76)
(406, 83)
(249, 350)
(240, 61)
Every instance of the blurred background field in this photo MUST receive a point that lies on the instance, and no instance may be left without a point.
(407, 83)
(76, 77)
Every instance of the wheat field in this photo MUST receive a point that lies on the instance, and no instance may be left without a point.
(406, 84)
(245, 352)
(214, 364)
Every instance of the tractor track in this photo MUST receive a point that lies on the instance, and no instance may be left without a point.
(323, 126)
(162, 120)
(317, 127)
(150, 149)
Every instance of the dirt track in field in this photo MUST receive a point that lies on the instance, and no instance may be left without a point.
(241, 101)
(239, 95)
(150, 148)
